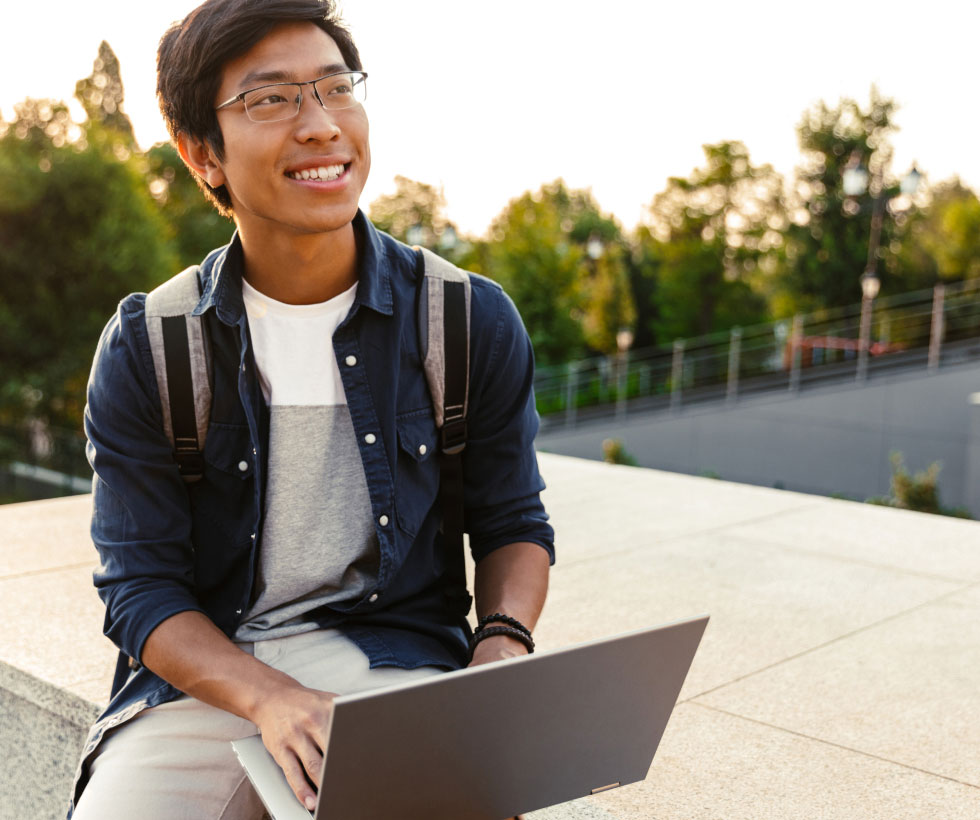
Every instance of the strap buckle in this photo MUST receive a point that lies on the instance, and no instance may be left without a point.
(453, 436)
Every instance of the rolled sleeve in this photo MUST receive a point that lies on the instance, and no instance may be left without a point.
(501, 480)
(141, 523)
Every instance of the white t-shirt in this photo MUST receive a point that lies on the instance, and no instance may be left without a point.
(319, 544)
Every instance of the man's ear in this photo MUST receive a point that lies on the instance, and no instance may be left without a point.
(200, 158)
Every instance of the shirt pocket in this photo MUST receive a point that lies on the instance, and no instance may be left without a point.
(417, 469)
(223, 502)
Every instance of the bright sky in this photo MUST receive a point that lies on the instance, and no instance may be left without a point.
(492, 99)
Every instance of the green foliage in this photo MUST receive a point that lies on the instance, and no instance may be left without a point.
(193, 225)
(827, 241)
(538, 251)
(78, 230)
(614, 452)
(415, 213)
(942, 240)
(701, 260)
(919, 492)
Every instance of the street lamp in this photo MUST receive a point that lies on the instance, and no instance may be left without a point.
(624, 341)
(855, 183)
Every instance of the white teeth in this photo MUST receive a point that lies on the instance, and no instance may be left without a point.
(325, 173)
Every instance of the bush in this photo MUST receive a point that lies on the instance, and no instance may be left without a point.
(919, 492)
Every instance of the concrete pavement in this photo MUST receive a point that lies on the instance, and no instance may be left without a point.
(839, 676)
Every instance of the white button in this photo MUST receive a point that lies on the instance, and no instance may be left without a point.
(373, 598)
(238, 612)
(351, 361)
(383, 521)
(370, 438)
(422, 449)
(253, 536)
(255, 452)
(243, 466)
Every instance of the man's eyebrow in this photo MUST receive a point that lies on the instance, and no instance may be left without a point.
(254, 78)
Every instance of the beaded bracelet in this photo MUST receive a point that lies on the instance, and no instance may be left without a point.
(490, 631)
(499, 616)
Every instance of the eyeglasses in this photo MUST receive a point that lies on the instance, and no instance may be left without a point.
(282, 101)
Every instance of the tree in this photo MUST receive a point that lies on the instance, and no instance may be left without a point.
(538, 249)
(702, 260)
(827, 240)
(941, 241)
(193, 225)
(416, 214)
(78, 230)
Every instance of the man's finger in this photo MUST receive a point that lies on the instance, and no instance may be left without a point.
(297, 781)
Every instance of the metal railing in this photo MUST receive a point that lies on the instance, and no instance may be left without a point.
(921, 327)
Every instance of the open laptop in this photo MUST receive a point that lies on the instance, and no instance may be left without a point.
(496, 740)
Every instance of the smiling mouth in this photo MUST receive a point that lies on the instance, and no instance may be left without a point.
(325, 173)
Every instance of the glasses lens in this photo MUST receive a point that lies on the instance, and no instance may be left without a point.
(273, 102)
(342, 90)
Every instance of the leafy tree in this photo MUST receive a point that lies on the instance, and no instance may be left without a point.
(101, 95)
(78, 229)
(416, 213)
(942, 240)
(538, 249)
(701, 261)
(827, 240)
(193, 224)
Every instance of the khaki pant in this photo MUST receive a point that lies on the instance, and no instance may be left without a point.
(175, 761)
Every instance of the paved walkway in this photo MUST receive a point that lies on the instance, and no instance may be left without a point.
(839, 676)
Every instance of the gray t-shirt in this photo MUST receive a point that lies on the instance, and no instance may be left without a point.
(319, 544)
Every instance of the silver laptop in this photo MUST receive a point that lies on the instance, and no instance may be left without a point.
(497, 740)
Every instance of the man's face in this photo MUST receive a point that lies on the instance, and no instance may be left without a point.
(263, 160)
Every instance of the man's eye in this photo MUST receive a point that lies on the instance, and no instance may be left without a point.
(268, 99)
(341, 88)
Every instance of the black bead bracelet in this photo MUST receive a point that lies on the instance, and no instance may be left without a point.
(506, 619)
(513, 632)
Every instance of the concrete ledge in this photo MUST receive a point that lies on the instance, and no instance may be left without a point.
(839, 677)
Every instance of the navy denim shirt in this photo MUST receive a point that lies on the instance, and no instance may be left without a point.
(167, 546)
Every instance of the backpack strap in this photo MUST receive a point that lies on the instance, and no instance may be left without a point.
(444, 337)
(182, 361)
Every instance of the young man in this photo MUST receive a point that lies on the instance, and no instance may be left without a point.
(308, 560)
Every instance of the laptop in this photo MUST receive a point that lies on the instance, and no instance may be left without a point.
(496, 740)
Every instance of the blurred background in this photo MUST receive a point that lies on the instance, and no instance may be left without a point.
(688, 203)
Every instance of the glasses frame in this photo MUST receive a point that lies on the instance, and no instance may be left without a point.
(241, 97)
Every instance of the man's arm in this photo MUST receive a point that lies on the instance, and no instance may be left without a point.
(512, 580)
(188, 651)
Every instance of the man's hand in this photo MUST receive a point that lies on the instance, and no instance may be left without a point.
(294, 724)
(190, 652)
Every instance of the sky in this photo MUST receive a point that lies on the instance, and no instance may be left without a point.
(491, 99)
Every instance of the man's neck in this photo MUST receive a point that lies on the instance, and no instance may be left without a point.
(301, 270)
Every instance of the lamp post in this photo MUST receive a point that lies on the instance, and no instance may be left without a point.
(855, 183)
(624, 340)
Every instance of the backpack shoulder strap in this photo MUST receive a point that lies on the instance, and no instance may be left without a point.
(444, 339)
(444, 336)
(182, 361)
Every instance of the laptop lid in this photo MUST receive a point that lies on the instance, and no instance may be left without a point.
(498, 740)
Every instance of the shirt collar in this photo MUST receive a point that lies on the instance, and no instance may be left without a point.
(222, 271)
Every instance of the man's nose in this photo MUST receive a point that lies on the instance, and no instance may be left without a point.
(316, 121)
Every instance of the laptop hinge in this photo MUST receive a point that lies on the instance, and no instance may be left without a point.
(605, 788)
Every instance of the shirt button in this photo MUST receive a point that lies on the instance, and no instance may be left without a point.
(370, 438)
(243, 466)
(422, 449)
(253, 536)
(383, 521)
(373, 598)
(350, 361)
(238, 612)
